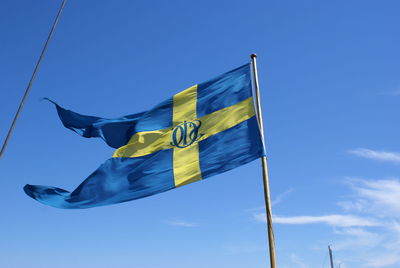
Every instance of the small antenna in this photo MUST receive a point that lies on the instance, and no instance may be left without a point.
(330, 255)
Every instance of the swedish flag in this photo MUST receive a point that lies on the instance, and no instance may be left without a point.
(202, 131)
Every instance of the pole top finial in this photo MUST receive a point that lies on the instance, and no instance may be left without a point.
(254, 55)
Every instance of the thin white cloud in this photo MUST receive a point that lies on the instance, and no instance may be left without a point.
(296, 260)
(393, 157)
(332, 220)
(281, 197)
(274, 202)
(383, 260)
(395, 93)
(368, 230)
(391, 93)
(357, 206)
(379, 199)
(376, 197)
(181, 223)
(357, 238)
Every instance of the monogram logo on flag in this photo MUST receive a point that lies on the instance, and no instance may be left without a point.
(186, 134)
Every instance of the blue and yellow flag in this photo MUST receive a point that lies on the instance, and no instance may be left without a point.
(202, 131)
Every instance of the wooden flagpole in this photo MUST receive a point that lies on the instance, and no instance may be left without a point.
(264, 168)
(32, 78)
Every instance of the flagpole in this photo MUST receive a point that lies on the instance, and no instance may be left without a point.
(264, 168)
(32, 78)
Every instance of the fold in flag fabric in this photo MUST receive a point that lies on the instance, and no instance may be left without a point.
(202, 131)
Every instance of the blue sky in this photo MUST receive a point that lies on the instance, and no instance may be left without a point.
(329, 76)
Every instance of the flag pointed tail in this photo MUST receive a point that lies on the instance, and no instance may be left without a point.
(116, 180)
(115, 132)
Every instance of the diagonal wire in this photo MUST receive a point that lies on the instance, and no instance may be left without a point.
(32, 78)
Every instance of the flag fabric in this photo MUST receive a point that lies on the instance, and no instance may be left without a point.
(202, 131)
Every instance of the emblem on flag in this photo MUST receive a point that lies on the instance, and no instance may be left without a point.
(186, 134)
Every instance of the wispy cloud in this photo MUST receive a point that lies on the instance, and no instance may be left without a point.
(274, 202)
(368, 232)
(296, 260)
(181, 223)
(332, 220)
(383, 260)
(281, 197)
(393, 157)
(376, 197)
(357, 238)
(390, 93)
(380, 199)
(394, 91)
